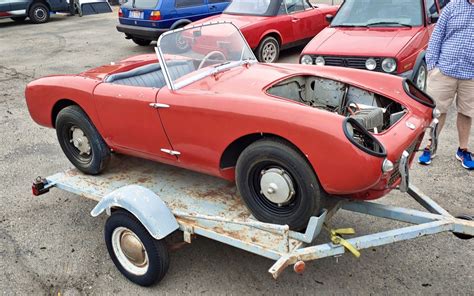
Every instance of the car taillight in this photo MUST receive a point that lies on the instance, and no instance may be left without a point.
(155, 15)
(362, 138)
(120, 13)
(417, 94)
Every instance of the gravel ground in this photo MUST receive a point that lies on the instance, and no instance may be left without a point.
(51, 244)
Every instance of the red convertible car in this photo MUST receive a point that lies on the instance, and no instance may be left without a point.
(272, 25)
(387, 36)
(289, 135)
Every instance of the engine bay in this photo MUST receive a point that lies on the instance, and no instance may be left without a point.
(374, 112)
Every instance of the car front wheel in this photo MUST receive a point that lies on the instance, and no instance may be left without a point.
(39, 13)
(80, 141)
(277, 183)
(422, 76)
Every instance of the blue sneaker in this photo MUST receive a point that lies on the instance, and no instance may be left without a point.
(426, 157)
(465, 157)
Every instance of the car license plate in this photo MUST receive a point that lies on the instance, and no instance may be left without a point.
(136, 14)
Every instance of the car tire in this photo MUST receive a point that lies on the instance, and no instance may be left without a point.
(421, 76)
(269, 50)
(274, 165)
(123, 235)
(141, 42)
(19, 19)
(181, 44)
(39, 13)
(80, 141)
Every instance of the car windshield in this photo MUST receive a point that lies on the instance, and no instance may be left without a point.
(190, 54)
(384, 13)
(254, 7)
(141, 4)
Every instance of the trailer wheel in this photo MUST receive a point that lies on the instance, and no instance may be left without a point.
(277, 183)
(39, 13)
(137, 255)
(80, 140)
(461, 235)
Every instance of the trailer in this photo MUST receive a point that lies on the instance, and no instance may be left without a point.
(148, 201)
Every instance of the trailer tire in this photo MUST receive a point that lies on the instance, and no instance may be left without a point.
(122, 229)
(277, 183)
(90, 161)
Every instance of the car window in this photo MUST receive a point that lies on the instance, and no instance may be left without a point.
(379, 12)
(188, 3)
(144, 4)
(306, 4)
(253, 7)
(293, 6)
(431, 8)
(443, 3)
(218, 1)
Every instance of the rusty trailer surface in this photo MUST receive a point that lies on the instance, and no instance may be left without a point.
(210, 207)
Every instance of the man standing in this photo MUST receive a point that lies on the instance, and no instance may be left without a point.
(450, 60)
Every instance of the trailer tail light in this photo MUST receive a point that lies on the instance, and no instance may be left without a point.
(120, 12)
(155, 15)
(39, 186)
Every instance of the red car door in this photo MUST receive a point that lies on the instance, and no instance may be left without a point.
(129, 121)
(306, 20)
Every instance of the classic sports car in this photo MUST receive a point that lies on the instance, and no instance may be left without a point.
(291, 136)
(377, 35)
(272, 25)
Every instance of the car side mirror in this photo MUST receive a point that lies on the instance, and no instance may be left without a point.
(329, 18)
(434, 19)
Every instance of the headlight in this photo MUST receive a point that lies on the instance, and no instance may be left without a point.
(389, 65)
(436, 113)
(306, 60)
(320, 61)
(370, 64)
(387, 166)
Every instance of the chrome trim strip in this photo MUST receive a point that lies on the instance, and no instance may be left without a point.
(404, 172)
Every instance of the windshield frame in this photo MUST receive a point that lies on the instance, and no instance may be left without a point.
(272, 10)
(342, 25)
(203, 74)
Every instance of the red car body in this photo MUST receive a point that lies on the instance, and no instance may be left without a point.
(211, 120)
(350, 46)
(290, 29)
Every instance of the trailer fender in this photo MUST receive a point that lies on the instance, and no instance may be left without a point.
(145, 205)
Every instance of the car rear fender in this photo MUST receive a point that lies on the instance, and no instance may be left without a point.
(180, 23)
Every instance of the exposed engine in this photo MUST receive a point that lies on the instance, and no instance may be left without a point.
(374, 112)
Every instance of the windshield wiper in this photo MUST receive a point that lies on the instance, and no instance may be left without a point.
(348, 26)
(388, 23)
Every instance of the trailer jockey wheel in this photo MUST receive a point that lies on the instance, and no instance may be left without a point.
(461, 235)
(137, 255)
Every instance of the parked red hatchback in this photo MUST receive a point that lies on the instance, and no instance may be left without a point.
(378, 35)
(272, 25)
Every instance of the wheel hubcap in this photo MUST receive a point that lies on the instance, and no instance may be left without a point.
(80, 141)
(421, 79)
(276, 185)
(130, 251)
(269, 52)
(40, 14)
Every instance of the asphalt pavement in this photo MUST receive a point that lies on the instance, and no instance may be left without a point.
(51, 244)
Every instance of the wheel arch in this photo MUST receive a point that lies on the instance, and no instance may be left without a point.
(233, 150)
(274, 34)
(180, 23)
(58, 106)
(45, 2)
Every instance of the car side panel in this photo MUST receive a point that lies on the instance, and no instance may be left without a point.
(200, 125)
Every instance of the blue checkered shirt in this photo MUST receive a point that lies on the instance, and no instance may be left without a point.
(451, 46)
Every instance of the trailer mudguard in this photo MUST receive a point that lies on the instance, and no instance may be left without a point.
(145, 205)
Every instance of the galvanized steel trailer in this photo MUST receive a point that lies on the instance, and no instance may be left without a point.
(164, 199)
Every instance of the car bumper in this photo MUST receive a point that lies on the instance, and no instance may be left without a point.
(141, 32)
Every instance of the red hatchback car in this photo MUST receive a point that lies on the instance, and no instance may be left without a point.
(272, 25)
(378, 35)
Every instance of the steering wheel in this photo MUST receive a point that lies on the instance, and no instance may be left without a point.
(209, 55)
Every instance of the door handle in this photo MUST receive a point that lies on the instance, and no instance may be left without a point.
(295, 20)
(212, 7)
(158, 105)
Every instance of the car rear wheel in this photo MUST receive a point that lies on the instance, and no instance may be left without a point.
(19, 19)
(141, 42)
(80, 141)
(269, 50)
(136, 254)
(277, 183)
(39, 13)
